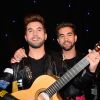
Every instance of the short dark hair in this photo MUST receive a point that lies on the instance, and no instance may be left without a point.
(65, 24)
(34, 18)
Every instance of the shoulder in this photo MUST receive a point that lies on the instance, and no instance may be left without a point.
(23, 62)
(55, 55)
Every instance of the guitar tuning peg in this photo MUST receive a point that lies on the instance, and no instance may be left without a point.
(97, 47)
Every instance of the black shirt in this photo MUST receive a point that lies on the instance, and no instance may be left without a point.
(37, 67)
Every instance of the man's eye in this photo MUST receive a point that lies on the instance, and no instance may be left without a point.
(61, 36)
(29, 30)
(69, 34)
(39, 30)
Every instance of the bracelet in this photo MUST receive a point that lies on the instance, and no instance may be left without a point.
(2, 93)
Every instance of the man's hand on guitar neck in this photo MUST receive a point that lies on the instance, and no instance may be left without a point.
(94, 58)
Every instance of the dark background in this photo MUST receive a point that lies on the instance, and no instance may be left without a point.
(83, 13)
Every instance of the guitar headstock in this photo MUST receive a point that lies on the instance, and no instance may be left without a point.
(97, 47)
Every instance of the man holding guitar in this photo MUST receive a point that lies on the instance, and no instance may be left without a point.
(67, 38)
(36, 64)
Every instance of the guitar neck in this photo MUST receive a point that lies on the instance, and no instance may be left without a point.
(62, 81)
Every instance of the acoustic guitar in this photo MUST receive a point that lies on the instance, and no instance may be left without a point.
(49, 85)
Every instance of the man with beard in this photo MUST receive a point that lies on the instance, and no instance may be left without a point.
(66, 59)
(67, 38)
(37, 63)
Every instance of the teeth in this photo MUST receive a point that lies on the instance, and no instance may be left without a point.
(66, 43)
(34, 39)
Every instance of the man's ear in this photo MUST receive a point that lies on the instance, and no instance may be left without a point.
(75, 38)
(45, 36)
(57, 40)
(25, 37)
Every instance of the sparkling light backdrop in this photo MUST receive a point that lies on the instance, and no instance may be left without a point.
(83, 13)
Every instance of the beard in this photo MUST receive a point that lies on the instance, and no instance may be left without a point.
(36, 44)
(67, 48)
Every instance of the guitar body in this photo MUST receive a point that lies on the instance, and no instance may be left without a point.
(39, 85)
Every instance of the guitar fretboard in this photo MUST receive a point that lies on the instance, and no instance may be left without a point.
(62, 81)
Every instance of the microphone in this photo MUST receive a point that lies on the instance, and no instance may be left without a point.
(6, 78)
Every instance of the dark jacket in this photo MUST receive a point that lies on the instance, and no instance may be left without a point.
(54, 65)
(79, 82)
(23, 71)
